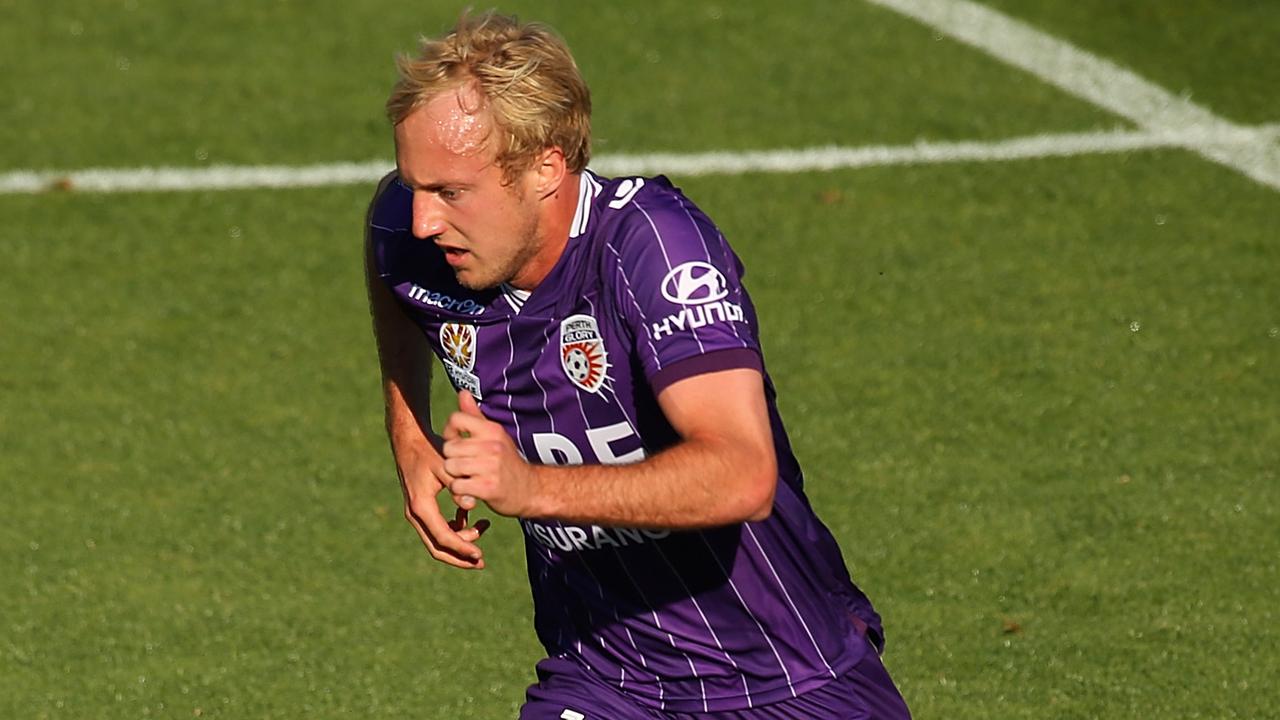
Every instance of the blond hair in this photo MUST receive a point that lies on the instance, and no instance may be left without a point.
(525, 77)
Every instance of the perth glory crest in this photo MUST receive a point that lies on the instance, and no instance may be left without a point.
(582, 353)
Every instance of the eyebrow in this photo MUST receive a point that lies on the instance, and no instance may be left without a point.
(432, 186)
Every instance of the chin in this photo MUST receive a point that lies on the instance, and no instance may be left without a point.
(475, 284)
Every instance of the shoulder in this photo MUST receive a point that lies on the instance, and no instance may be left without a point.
(675, 280)
(642, 203)
(391, 209)
(649, 215)
(386, 223)
(391, 249)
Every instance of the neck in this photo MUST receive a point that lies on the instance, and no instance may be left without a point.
(554, 221)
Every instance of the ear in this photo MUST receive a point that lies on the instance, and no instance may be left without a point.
(551, 172)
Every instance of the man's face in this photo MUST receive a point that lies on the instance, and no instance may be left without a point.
(488, 230)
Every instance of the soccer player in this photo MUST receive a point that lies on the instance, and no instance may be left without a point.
(611, 395)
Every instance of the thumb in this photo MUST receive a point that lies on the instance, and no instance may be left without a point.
(467, 404)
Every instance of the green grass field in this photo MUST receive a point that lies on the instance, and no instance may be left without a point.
(1038, 402)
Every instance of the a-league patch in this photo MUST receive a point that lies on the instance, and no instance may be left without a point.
(458, 342)
(582, 353)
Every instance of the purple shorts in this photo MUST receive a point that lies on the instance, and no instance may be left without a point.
(565, 691)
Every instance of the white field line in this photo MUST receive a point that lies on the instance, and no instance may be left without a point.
(1094, 79)
(226, 177)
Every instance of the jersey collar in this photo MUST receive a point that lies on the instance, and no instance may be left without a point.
(588, 188)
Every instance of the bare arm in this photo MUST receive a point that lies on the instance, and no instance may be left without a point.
(722, 471)
(405, 362)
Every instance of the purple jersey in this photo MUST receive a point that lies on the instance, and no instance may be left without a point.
(646, 293)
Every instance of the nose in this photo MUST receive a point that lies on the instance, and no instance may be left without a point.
(428, 218)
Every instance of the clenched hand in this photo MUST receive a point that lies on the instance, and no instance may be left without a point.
(482, 463)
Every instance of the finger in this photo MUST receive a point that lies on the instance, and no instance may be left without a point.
(450, 432)
(464, 425)
(441, 535)
(459, 521)
(454, 545)
(464, 492)
(465, 501)
(464, 447)
(474, 532)
(439, 553)
(467, 404)
(465, 467)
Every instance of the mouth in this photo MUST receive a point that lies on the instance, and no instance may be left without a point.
(453, 255)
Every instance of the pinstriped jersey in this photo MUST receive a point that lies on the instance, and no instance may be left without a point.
(646, 293)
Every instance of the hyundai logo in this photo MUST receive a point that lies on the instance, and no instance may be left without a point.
(694, 283)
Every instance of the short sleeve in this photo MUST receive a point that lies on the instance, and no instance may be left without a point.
(679, 287)
(389, 229)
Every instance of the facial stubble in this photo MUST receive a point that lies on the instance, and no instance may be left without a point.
(507, 265)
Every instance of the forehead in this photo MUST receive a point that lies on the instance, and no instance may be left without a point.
(451, 133)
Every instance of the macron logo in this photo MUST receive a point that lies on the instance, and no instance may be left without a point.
(694, 283)
(444, 302)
